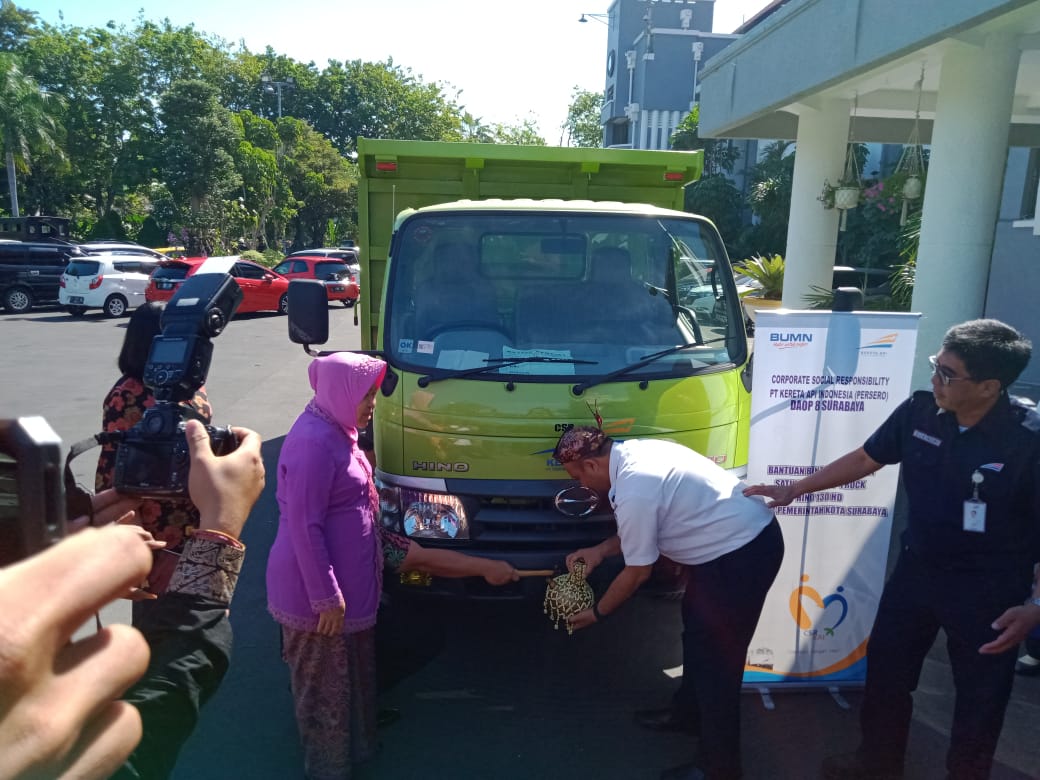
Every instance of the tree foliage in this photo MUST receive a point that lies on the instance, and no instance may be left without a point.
(377, 100)
(718, 199)
(319, 177)
(15, 25)
(198, 166)
(770, 201)
(582, 127)
(719, 155)
(27, 121)
(162, 131)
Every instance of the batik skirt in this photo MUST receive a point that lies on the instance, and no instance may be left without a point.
(334, 689)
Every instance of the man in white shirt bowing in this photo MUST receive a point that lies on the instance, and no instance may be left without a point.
(669, 500)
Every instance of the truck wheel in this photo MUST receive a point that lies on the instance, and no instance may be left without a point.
(76, 311)
(283, 304)
(17, 300)
(115, 306)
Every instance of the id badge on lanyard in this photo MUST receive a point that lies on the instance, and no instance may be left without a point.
(974, 507)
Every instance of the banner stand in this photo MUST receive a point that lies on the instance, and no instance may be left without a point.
(822, 383)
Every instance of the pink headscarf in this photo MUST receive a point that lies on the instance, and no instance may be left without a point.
(340, 381)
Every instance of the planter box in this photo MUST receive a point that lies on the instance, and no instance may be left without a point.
(753, 304)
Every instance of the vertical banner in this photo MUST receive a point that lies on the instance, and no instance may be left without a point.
(823, 382)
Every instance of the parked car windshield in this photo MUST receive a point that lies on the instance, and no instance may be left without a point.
(593, 293)
(83, 268)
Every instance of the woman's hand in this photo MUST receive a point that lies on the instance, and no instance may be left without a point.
(330, 621)
(500, 573)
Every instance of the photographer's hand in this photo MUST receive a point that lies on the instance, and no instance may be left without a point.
(109, 507)
(224, 488)
(60, 716)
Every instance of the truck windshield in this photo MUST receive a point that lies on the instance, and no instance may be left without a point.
(594, 293)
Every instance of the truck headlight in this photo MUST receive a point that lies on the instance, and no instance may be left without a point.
(421, 514)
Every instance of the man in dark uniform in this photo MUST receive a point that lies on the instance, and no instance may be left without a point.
(971, 470)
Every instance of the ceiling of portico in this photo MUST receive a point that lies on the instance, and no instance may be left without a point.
(888, 91)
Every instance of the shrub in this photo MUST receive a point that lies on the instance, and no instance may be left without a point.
(768, 272)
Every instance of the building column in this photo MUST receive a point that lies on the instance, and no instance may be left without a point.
(962, 196)
(812, 233)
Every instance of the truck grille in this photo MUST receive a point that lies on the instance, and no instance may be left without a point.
(535, 523)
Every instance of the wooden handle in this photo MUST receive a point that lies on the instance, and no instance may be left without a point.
(536, 572)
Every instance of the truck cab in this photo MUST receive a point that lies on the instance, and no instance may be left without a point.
(516, 292)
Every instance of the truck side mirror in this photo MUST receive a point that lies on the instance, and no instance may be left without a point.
(308, 312)
(389, 383)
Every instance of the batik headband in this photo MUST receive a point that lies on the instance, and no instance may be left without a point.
(581, 442)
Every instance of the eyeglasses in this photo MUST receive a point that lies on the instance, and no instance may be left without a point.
(944, 374)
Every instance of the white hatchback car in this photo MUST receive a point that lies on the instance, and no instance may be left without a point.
(114, 283)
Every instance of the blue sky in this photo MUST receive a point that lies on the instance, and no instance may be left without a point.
(510, 61)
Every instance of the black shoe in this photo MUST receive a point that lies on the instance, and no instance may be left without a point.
(1027, 666)
(850, 766)
(683, 772)
(666, 720)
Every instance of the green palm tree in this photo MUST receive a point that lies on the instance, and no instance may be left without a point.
(27, 120)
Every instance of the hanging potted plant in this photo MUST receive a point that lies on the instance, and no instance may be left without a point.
(846, 194)
(827, 196)
(767, 273)
(849, 189)
(911, 161)
(913, 188)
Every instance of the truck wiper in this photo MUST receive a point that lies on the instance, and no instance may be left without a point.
(581, 387)
(496, 363)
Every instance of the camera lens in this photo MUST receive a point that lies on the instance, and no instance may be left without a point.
(215, 322)
(153, 423)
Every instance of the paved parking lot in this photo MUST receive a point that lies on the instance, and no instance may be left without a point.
(487, 690)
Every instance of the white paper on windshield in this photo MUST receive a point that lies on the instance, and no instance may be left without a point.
(461, 359)
(508, 353)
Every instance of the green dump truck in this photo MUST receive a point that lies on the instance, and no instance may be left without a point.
(517, 292)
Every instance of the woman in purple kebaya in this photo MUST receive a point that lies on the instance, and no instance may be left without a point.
(325, 570)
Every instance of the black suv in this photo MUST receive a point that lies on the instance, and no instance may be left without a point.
(30, 272)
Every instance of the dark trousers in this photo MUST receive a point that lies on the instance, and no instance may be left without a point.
(917, 601)
(720, 610)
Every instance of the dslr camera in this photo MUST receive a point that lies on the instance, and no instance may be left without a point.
(30, 488)
(152, 457)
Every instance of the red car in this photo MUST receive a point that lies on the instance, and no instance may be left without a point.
(341, 283)
(262, 288)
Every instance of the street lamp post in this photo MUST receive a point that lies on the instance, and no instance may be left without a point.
(271, 86)
(698, 52)
(601, 18)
